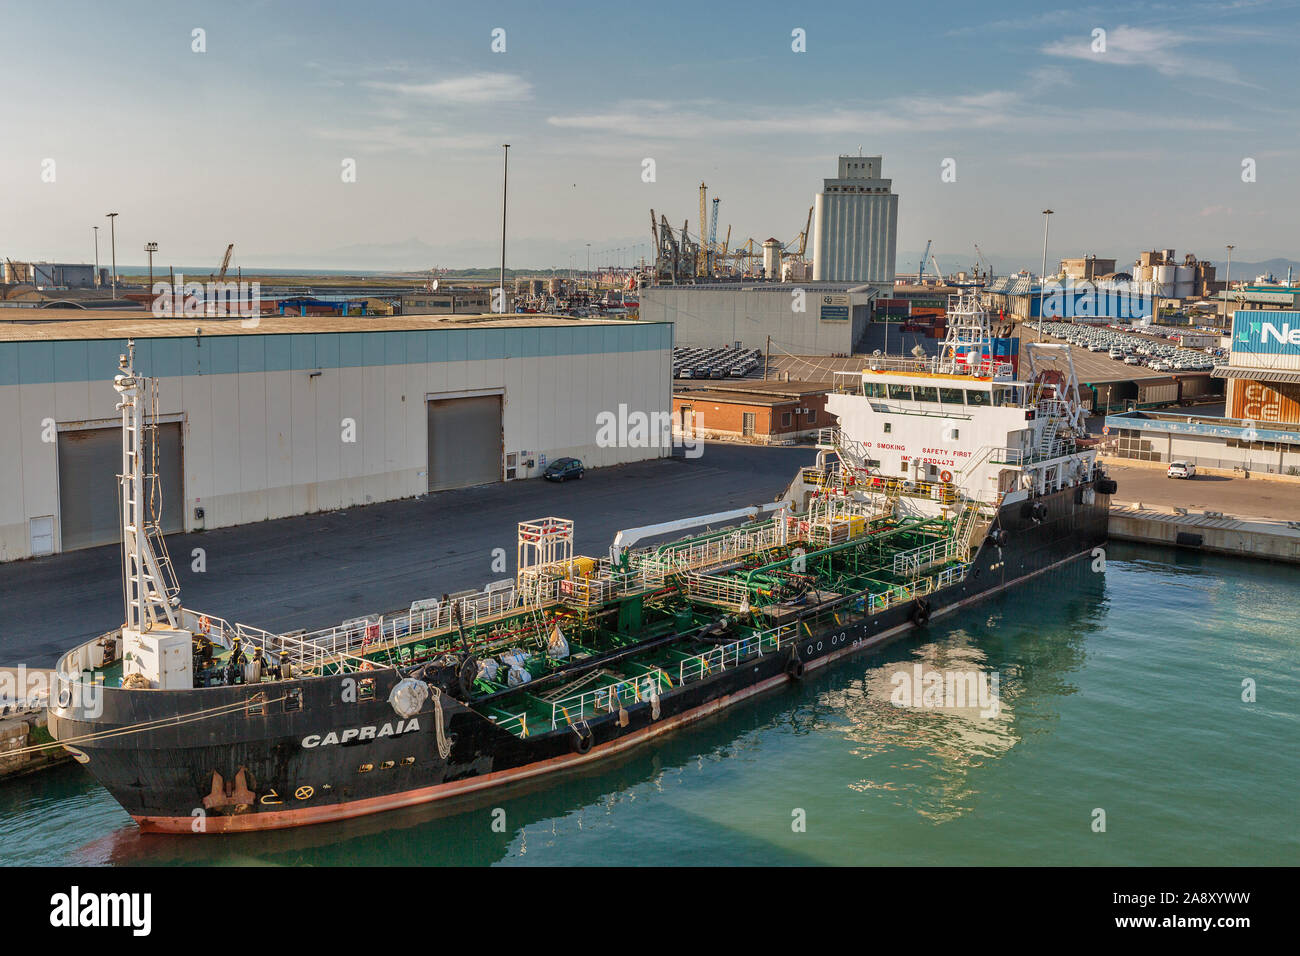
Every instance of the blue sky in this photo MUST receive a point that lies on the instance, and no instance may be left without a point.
(1139, 146)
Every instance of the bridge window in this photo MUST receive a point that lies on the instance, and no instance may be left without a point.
(873, 389)
(926, 393)
(951, 396)
(900, 392)
(977, 398)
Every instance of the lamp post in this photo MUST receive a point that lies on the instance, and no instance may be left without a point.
(112, 228)
(96, 283)
(1227, 284)
(151, 248)
(505, 180)
(1043, 278)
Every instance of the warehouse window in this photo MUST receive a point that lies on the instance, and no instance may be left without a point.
(812, 416)
(785, 419)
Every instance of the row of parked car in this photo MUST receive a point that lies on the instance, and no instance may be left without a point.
(1156, 354)
(694, 362)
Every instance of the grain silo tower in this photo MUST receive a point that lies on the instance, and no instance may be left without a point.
(855, 225)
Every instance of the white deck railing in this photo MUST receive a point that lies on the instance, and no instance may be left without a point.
(607, 699)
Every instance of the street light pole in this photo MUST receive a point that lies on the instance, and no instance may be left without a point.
(1227, 284)
(1042, 281)
(505, 179)
(96, 283)
(151, 248)
(112, 228)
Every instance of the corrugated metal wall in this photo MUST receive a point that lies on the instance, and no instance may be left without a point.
(1265, 402)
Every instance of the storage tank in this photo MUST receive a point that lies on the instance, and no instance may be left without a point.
(772, 260)
(1184, 281)
(1166, 279)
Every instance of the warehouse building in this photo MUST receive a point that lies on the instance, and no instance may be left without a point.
(295, 415)
(1228, 444)
(816, 318)
(1263, 370)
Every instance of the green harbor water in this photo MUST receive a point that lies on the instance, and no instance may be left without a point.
(1120, 691)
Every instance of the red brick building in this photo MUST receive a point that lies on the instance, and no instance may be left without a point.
(751, 411)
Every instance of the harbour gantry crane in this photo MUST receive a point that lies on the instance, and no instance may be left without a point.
(799, 244)
(920, 269)
(713, 237)
(702, 255)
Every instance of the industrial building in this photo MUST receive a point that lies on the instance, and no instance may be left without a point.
(1263, 370)
(817, 318)
(1262, 430)
(68, 275)
(286, 415)
(855, 225)
(1227, 444)
(1088, 267)
(1188, 279)
(446, 302)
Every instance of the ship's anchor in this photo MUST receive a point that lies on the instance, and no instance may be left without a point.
(235, 794)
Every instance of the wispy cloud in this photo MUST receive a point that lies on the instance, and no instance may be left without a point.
(405, 137)
(668, 120)
(1169, 52)
(472, 89)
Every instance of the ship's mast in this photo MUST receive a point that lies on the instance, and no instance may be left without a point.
(968, 330)
(151, 593)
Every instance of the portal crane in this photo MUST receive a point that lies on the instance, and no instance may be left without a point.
(225, 265)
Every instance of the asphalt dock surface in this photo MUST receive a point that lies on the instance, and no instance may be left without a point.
(315, 571)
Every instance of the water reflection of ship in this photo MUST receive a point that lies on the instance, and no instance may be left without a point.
(1033, 638)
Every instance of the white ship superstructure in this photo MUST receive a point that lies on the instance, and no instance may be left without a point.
(963, 424)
